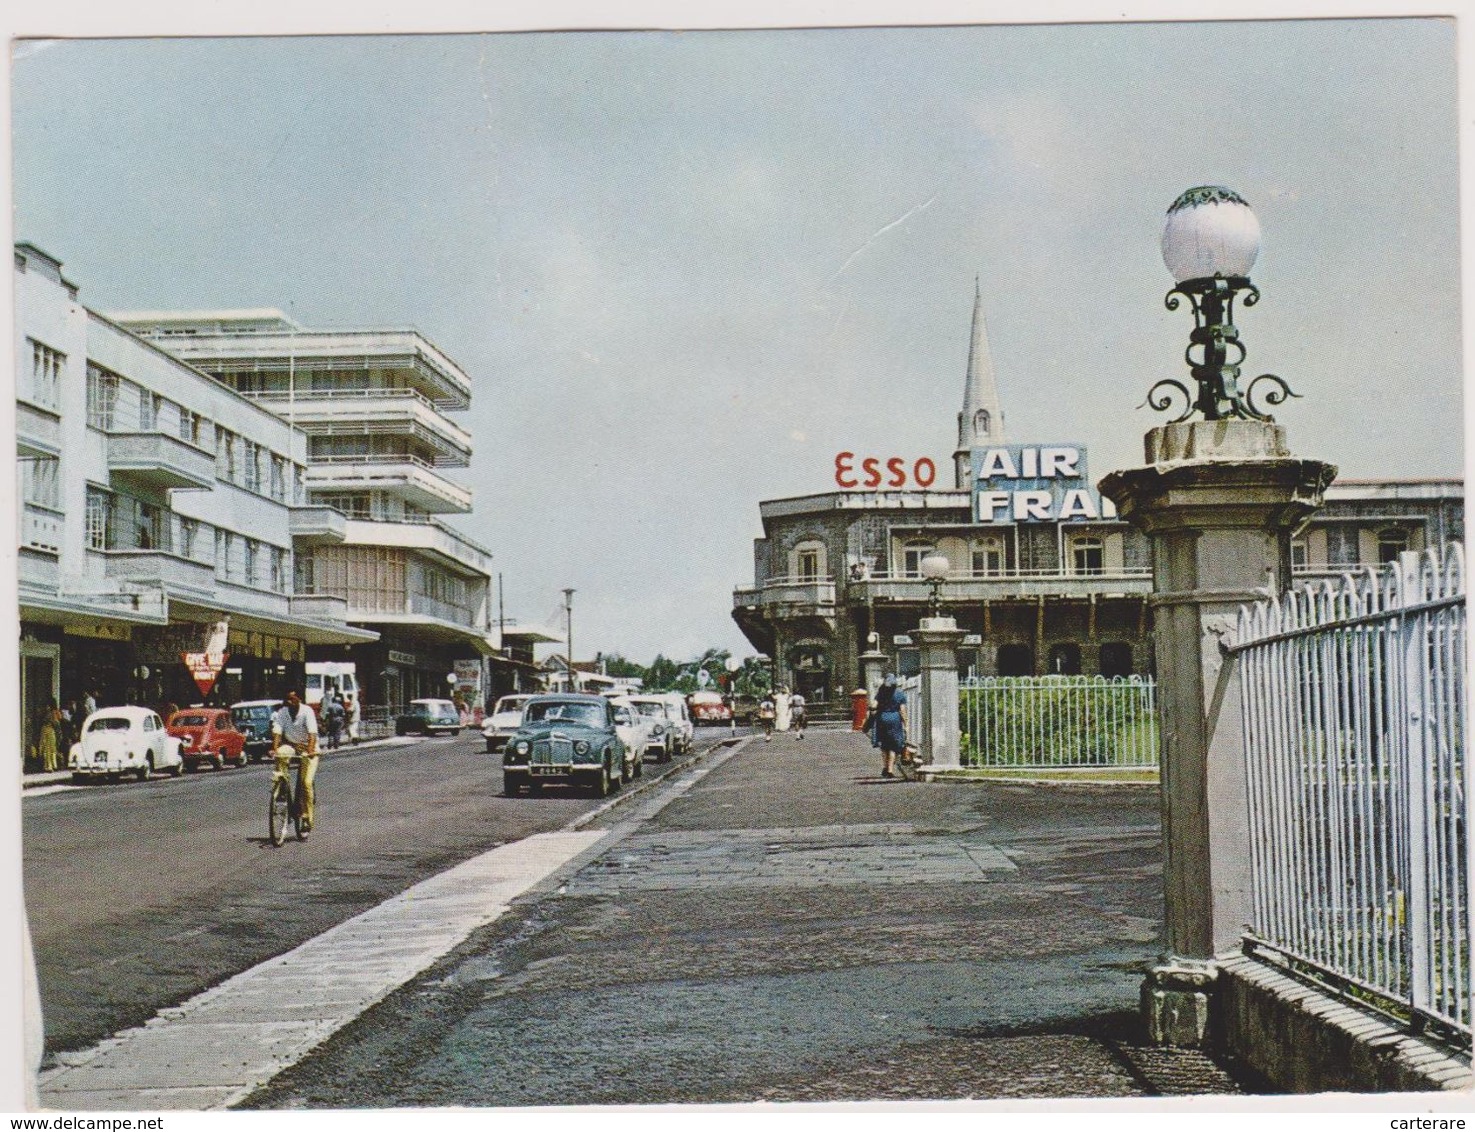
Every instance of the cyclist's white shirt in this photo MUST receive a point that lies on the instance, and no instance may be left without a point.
(294, 730)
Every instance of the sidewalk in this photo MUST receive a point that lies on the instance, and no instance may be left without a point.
(800, 929)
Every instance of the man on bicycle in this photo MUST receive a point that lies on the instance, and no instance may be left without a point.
(294, 731)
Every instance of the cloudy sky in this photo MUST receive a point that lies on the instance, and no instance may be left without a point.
(685, 269)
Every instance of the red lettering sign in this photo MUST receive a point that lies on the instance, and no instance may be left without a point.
(876, 472)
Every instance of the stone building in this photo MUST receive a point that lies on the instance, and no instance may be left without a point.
(1042, 575)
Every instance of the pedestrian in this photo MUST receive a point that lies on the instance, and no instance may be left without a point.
(351, 708)
(68, 721)
(48, 738)
(889, 723)
(797, 709)
(332, 716)
(89, 704)
(765, 716)
(782, 709)
(294, 731)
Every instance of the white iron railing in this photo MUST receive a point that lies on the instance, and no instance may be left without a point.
(1353, 718)
(1058, 722)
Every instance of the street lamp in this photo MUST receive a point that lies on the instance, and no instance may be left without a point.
(568, 611)
(1209, 244)
(935, 569)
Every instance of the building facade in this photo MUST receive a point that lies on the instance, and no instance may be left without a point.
(377, 409)
(159, 511)
(1042, 576)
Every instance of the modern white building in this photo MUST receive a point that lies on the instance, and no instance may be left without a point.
(158, 507)
(376, 407)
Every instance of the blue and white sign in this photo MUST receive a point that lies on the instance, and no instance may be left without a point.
(1035, 483)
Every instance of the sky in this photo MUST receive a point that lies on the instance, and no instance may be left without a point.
(685, 269)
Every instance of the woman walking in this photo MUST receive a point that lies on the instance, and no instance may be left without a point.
(889, 723)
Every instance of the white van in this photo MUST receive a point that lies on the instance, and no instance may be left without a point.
(338, 676)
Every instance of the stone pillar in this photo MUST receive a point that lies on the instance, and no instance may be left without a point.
(936, 718)
(1219, 501)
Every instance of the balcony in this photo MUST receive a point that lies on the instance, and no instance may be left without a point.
(37, 431)
(159, 568)
(409, 477)
(158, 461)
(378, 412)
(789, 597)
(317, 525)
(320, 607)
(421, 533)
(965, 587)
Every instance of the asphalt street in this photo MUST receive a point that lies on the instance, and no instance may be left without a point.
(781, 924)
(140, 895)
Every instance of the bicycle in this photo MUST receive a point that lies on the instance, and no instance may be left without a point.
(286, 804)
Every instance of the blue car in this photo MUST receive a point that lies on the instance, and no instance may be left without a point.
(569, 740)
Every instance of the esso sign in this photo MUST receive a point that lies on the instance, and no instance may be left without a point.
(852, 471)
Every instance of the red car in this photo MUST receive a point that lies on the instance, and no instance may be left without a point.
(708, 707)
(207, 735)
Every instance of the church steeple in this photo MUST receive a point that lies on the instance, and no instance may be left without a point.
(982, 420)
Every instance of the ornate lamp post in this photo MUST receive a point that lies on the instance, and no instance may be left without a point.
(1210, 243)
(568, 611)
(935, 569)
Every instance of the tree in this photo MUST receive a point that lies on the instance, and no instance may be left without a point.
(621, 668)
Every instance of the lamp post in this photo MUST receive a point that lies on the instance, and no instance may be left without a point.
(568, 612)
(1210, 242)
(1217, 498)
(935, 569)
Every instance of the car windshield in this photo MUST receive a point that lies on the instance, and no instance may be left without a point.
(189, 721)
(510, 703)
(241, 713)
(111, 723)
(444, 711)
(657, 711)
(590, 715)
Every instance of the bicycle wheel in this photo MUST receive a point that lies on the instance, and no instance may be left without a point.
(281, 808)
(298, 819)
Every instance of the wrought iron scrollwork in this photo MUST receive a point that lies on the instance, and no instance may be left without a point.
(1275, 396)
(1163, 401)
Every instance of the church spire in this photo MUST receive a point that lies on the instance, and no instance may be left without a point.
(981, 423)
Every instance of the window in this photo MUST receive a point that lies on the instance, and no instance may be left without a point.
(1391, 543)
(986, 558)
(981, 422)
(278, 569)
(1087, 556)
(1341, 546)
(102, 397)
(354, 504)
(278, 478)
(1065, 659)
(911, 557)
(46, 367)
(253, 466)
(189, 426)
(808, 561)
(1116, 659)
(149, 406)
(1016, 660)
(97, 518)
(1300, 554)
(188, 530)
(251, 550)
(226, 456)
(39, 484)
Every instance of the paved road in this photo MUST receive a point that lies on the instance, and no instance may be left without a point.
(781, 924)
(141, 895)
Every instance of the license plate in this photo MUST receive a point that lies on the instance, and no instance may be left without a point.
(547, 770)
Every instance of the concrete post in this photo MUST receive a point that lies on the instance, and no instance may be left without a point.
(1219, 501)
(936, 729)
(873, 667)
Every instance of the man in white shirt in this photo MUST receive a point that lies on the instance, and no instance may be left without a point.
(294, 731)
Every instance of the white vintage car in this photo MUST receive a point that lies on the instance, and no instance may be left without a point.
(124, 740)
(505, 719)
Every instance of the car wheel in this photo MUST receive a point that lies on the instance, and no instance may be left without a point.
(639, 768)
(603, 786)
(218, 762)
(242, 760)
(176, 770)
(534, 786)
(191, 766)
(146, 771)
(511, 787)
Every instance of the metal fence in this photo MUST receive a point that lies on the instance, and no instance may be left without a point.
(1058, 722)
(1353, 698)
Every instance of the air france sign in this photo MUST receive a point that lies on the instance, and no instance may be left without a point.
(1035, 483)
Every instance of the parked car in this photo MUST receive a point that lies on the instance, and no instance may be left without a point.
(569, 739)
(662, 738)
(207, 735)
(124, 740)
(635, 729)
(709, 707)
(253, 720)
(679, 717)
(506, 718)
(427, 717)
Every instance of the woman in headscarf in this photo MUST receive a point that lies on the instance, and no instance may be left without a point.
(889, 723)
